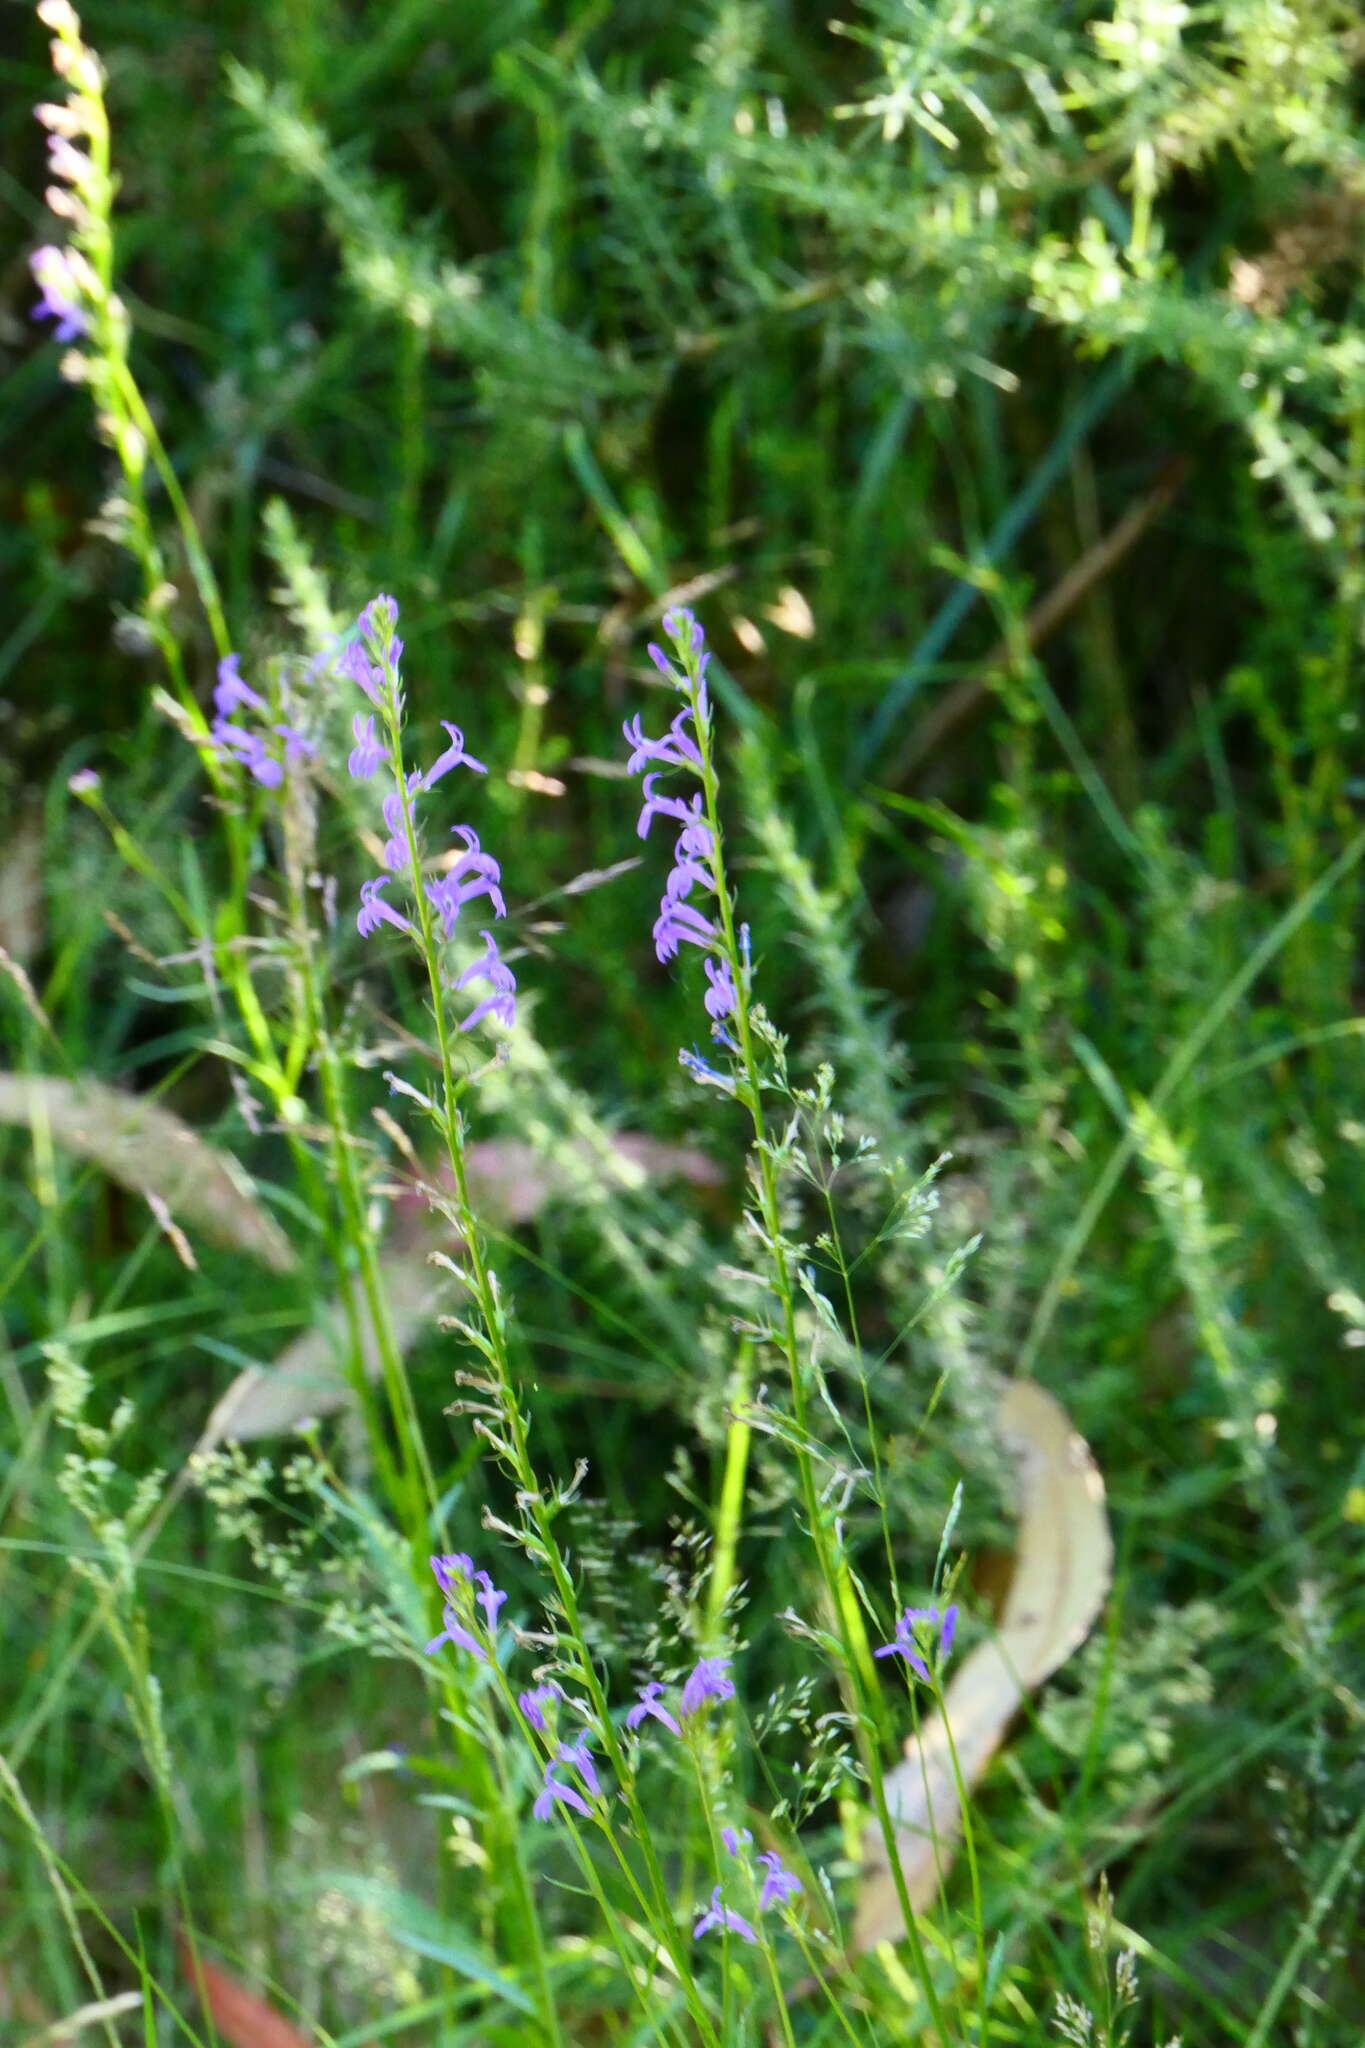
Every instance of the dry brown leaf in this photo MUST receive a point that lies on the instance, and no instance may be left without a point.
(1061, 1575)
(509, 1183)
(309, 1376)
(148, 1149)
(243, 2019)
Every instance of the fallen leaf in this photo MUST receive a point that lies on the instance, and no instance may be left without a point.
(148, 1149)
(1061, 1574)
(508, 1183)
(243, 2019)
(309, 1376)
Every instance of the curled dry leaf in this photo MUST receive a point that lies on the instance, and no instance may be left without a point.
(1061, 1575)
(148, 1149)
(509, 1183)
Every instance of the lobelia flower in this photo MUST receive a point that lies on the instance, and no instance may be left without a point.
(779, 1885)
(374, 911)
(735, 1839)
(473, 873)
(450, 1568)
(502, 1003)
(906, 1644)
(490, 1598)
(555, 1789)
(720, 1915)
(648, 1704)
(708, 1680)
(368, 752)
(534, 1703)
(58, 274)
(580, 1756)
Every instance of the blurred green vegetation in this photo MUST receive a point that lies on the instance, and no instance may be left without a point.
(991, 379)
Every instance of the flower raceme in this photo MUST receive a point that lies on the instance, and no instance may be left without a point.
(681, 920)
(371, 660)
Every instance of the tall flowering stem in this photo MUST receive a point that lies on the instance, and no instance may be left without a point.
(372, 661)
(700, 863)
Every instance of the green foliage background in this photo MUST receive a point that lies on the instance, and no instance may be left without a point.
(861, 336)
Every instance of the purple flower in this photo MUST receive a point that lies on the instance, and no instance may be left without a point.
(555, 1789)
(779, 1885)
(452, 1567)
(492, 968)
(251, 750)
(231, 694)
(377, 621)
(453, 757)
(374, 911)
(473, 873)
(58, 278)
(454, 1631)
(708, 1680)
(579, 1755)
(905, 1643)
(533, 1704)
(353, 661)
(648, 1704)
(720, 997)
(718, 1915)
(490, 1599)
(735, 1839)
(367, 752)
(674, 749)
(678, 921)
(666, 807)
(394, 853)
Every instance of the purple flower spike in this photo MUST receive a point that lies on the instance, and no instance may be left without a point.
(648, 1704)
(374, 911)
(57, 278)
(534, 1703)
(492, 968)
(709, 1680)
(490, 1599)
(367, 752)
(453, 757)
(718, 1915)
(779, 1885)
(452, 1568)
(455, 1632)
(555, 1789)
(735, 1839)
